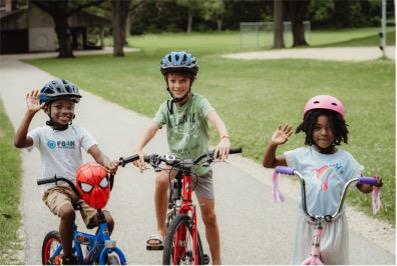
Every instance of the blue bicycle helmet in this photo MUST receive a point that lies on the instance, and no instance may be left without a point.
(59, 88)
(179, 61)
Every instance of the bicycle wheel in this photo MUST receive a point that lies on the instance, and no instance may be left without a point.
(178, 247)
(171, 214)
(51, 242)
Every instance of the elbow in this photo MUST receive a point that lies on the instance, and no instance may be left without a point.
(267, 164)
(18, 144)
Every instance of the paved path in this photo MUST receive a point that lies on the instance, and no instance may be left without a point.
(334, 54)
(253, 230)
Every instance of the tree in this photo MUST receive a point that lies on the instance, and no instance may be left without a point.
(214, 10)
(60, 11)
(120, 10)
(278, 29)
(297, 11)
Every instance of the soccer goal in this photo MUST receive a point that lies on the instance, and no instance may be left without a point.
(260, 34)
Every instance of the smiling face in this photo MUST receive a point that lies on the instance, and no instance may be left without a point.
(178, 84)
(62, 111)
(323, 135)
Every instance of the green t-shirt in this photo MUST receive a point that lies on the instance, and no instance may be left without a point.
(187, 128)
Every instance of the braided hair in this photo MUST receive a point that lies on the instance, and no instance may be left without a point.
(337, 124)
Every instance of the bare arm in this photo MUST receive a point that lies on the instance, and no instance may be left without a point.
(147, 136)
(22, 140)
(222, 148)
(102, 159)
(279, 137)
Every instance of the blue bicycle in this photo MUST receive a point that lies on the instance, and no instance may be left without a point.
(100, 248)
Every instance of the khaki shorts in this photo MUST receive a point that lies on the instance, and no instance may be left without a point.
(56, 197)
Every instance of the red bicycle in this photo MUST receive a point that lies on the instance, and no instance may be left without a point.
(183, 243)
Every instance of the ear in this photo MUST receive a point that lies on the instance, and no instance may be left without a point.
(46, 109)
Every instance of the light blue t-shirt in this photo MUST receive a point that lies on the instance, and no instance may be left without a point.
(325, 176)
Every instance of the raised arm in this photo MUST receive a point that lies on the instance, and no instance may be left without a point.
(223, 146)
(279, 137)
(22, 140)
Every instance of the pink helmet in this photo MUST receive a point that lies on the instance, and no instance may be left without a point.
(324, 102)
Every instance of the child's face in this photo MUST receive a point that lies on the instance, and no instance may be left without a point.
(178, 84)
(323, 136)
(62, 111)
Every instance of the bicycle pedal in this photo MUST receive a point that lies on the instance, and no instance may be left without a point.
(206, 259)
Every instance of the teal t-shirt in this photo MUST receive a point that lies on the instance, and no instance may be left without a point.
(187, 128)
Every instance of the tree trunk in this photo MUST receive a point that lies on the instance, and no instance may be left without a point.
(298, 34)
(219, 23)
(64, 36)
(189, 22)
(278, 29)
(297, 12)
(120, 10)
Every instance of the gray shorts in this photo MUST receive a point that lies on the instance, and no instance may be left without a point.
(203, 185)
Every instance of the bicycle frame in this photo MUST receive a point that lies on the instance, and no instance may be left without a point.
(187, 207)
(182, 202)
(315, 254)
(99, 246)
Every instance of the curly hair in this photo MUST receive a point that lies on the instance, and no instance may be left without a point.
(337, 124)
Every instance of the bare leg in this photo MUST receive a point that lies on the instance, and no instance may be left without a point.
(207, 207)
(161, 201)
(67, 215)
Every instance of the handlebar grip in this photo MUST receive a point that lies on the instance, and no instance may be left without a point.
(235, 150)
(284, 170)
(369, 180)
(129, 159)
(45, 181)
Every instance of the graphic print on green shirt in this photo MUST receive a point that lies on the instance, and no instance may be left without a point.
(187, 128)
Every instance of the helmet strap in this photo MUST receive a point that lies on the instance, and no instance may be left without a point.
(170, 103)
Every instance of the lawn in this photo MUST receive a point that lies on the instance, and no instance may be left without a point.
(254, 97)
(10, 191)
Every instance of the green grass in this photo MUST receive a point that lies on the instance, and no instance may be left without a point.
(10, 190)
(254, 97)
(229, 41)
(370, 40)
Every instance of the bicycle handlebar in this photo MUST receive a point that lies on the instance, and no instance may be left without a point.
(55, 179)
(369, 180)
(130, 159)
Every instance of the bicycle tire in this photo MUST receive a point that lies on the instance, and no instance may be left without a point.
(171, 214)
(46, 254)
(181, 226)
(112, 260)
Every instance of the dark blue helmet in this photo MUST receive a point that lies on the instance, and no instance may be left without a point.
(179, 61)
(57, 89)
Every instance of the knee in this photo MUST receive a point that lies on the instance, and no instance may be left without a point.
(67, 213)
(209, 219)
(162, 181)
(110, 222)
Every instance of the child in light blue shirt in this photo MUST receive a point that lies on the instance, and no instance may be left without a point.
(326, 169)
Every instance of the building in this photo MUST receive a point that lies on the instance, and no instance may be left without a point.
(26, 28)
